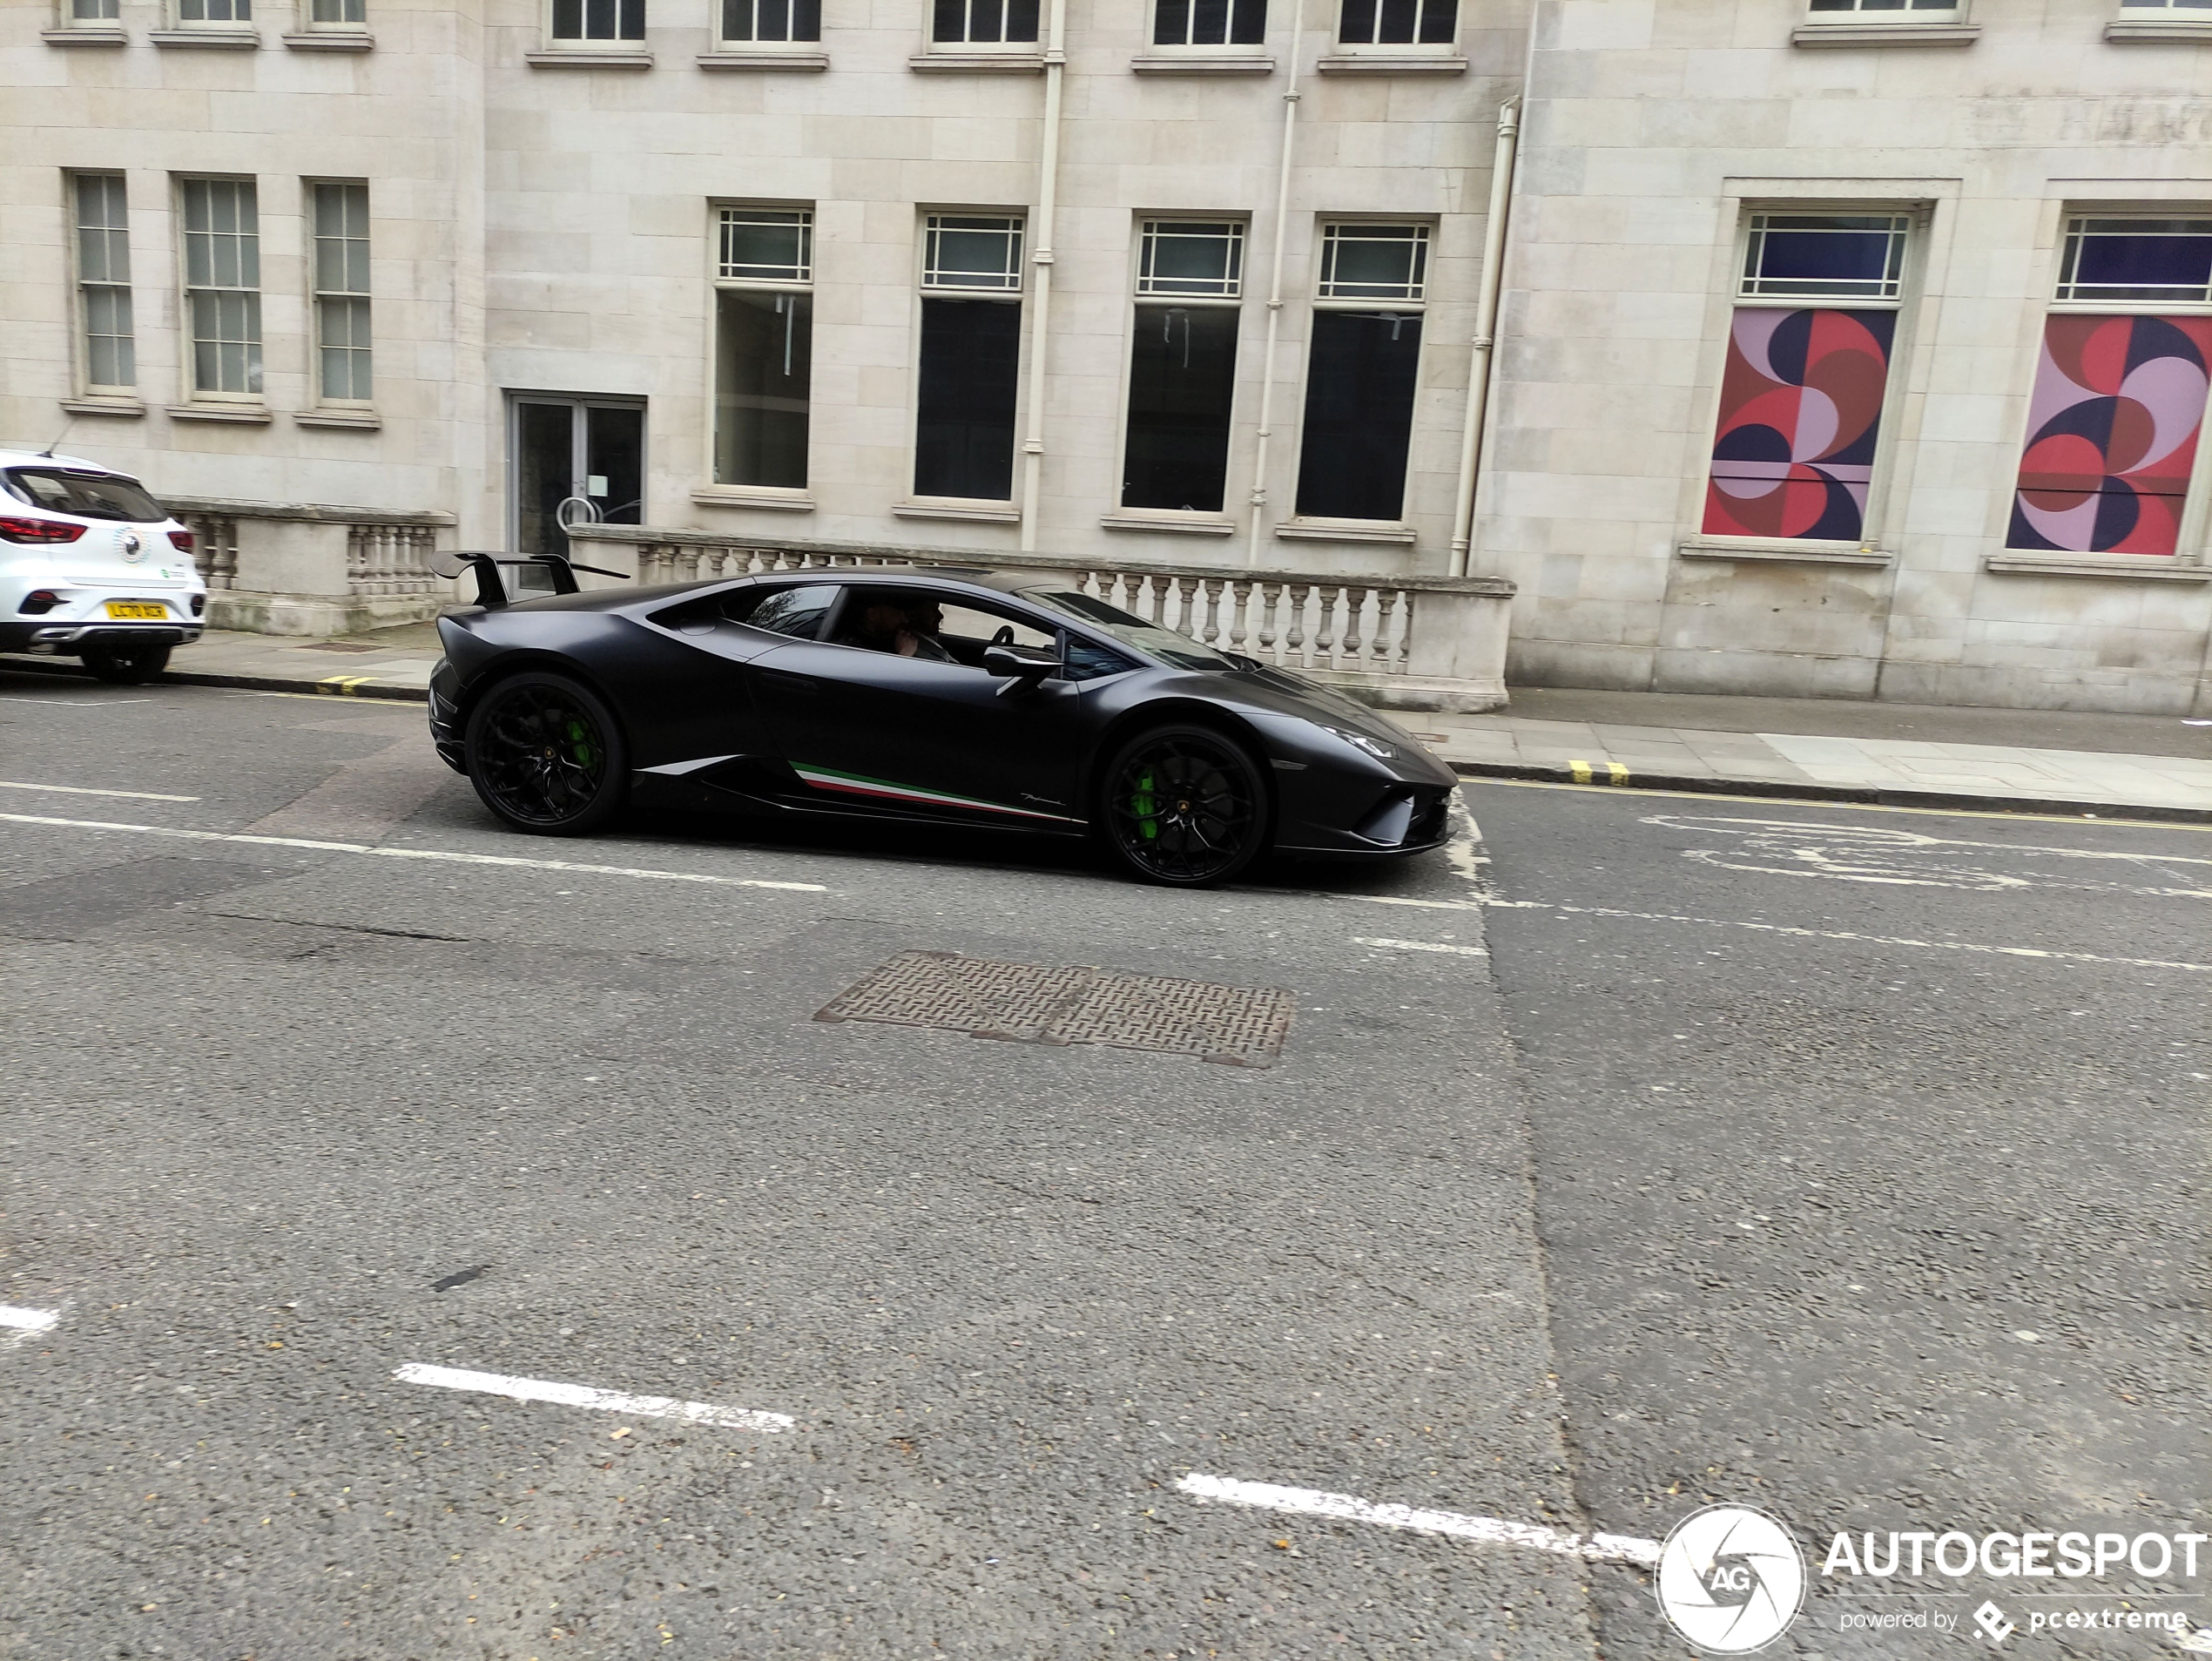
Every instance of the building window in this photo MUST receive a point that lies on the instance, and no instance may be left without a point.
(338, 14)
(1398, 22)
(1183, 365)
(223, 286)
(214, 11)
(982, 23)
(764, 347)
(1361, 371)
(582, 20)
(81, 11)
(1373, 262)
(970, 358)
(1884, 10)
(341, 290)
(1208, 22)
(1803, 387)
(1834, 256)
(103, 281)
(2118, 408)
(771, 20)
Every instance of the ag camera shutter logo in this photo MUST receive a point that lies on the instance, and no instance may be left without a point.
(1731, 1579)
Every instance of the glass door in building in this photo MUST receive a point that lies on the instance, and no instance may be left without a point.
(573, 461)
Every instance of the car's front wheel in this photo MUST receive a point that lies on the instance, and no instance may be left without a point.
(129, 663)
(546, 756)
(1184, 805)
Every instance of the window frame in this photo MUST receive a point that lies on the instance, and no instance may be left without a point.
(1120, 514)
(1863, 12)
(1231, 12)
(719, 209)
(241, 18)
(1919, 238)
(120, 391)
(188, 338)
(313, 25)
(1031, 46)
(106, 18)
(725, 42)
(311, 193)
(1342, 42)
(2193, 541)
(618, 42)
(1317, 301)
(1005, 507)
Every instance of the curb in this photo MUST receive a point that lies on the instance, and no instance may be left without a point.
(326, 686)
(1616, 775)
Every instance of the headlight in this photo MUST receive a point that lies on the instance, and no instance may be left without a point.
(1374, 747)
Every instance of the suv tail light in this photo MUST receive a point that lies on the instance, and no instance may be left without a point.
(181, 541)
(198, 604)
(15, 529)
(38, 601)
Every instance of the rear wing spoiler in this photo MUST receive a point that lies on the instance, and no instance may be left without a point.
(492, 587)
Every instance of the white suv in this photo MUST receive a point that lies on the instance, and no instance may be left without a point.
(91, 566)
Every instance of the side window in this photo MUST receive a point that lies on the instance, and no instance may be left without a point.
(973, 628)
(797, 612)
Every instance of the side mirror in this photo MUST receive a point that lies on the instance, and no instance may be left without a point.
(1023, 662)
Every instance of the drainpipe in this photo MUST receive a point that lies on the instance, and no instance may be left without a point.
(1486, 324)
(1056, 65)
(1275, 289)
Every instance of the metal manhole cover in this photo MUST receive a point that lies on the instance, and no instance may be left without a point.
(1242, 1026)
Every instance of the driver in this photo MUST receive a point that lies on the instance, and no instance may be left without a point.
(906, 627)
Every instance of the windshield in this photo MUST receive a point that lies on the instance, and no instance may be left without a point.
(1164, 644)
(89, 496)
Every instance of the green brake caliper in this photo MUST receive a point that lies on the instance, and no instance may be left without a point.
(580, 743)
(1145, 808)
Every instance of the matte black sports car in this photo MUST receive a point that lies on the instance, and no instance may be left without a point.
(960, 699)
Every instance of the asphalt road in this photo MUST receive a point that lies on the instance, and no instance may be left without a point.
(1657, 1202)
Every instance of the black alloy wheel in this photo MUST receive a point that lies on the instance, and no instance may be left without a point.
(1183, 806)
(545, 755)
(127, 663)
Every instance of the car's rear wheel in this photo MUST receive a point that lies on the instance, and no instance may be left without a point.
(128, 663)
(1183, 806)
(546, 756)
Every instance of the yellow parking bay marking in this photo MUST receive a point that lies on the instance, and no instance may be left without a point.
(1615, 772)
(645, 873)
(86, 790)
(345, 685)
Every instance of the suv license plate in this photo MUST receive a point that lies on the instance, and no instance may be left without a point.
(138, 609)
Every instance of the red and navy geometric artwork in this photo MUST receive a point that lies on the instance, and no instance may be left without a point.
(2112, 428)
(1801, 406)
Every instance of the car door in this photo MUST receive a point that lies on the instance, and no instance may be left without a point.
(872, 729)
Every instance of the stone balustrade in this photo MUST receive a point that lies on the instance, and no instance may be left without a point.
(284, 568)
(1416, 642)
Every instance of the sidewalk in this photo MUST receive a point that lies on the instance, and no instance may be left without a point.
(2151, 767)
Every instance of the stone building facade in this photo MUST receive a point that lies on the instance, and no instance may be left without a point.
(1188, 283)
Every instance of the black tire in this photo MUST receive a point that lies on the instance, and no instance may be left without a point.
(129, 663)
(546, 755)
(1183, 806)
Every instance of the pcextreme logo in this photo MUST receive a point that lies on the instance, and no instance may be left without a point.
(1730, 1579)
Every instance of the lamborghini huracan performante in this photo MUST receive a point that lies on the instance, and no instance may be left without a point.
(918, 695)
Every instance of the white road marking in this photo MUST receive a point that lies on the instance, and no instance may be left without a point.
(583, 1396)
(2010, 817)
(1422, 946)
(82, 790)
(1489, 1530)
(645, 873)
(81, 703)
(18, 1319)
(1845, 934)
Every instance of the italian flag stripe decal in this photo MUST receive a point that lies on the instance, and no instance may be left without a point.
(855, 784)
